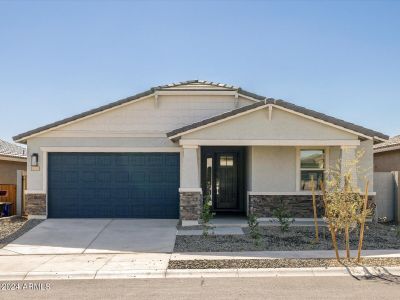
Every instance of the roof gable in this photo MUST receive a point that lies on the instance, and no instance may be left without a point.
(319, 117)
(198, 86)
(260, 125)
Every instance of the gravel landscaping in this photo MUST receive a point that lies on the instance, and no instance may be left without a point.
(280, 263)
(13, 228)
(377, 236)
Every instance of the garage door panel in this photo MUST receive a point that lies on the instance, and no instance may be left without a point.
(118, 185)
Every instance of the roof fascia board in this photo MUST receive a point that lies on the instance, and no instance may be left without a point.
(84, 118)
(278, 107)
(248, 97)
(387, 149)
(322, 121)
(12, 158)
(244, 142)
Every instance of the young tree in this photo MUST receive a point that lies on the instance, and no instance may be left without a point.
(345, 207)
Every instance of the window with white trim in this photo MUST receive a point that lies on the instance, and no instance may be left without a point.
(312, 168)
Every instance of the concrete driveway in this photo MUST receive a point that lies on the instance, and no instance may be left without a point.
(96, 236)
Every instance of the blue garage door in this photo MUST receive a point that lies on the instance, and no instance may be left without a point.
(113, 185)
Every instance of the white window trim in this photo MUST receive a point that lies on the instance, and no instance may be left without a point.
(298, 163)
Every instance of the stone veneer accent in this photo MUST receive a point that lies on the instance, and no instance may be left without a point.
(300, 206)
(190, 205)
(35, 204)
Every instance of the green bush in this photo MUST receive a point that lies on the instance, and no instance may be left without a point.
(254, 229)
(283, 217)
(207, 214)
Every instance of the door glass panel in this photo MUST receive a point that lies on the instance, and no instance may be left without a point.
(226, 161)
(209, 177)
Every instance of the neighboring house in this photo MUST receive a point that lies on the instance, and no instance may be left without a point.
(12, 159)
(387, 155)
(155, 154)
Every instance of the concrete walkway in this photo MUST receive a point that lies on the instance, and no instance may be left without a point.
(74, 236)
(155, 265)
(83, 266)
(147, 265)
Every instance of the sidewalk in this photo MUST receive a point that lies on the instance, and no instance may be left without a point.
(155, 265)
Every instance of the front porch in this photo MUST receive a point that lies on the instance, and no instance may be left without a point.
(243, 180)
(254, 159)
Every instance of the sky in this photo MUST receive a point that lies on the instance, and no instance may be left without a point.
(59, 58)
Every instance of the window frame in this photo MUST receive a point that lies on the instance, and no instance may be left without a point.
(298, 164)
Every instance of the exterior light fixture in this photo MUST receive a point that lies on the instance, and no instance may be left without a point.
(35, 160)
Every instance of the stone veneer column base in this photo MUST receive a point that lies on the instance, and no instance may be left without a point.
(300, 206)
(36, 205)
(191, 204)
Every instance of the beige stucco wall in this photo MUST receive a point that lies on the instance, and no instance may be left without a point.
(387, 161)
(273, 169)
(147, 117)
(139, 124)
(8, 171)
(366, 165)
(282, 126)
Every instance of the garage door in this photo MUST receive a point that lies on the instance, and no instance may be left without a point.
(113, 185)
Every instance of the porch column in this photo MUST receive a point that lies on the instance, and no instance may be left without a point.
(190, 191)
(348, 156)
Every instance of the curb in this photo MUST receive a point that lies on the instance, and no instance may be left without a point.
(203, 273)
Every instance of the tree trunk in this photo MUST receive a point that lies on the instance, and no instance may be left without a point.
(315, 210)
(347, 237)
(360, 242)
(334, 243)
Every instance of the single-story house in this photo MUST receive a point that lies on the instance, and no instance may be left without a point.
(12, 159)
(387, 155)
(157, 154)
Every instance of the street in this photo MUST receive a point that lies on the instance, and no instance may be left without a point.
(210, 288)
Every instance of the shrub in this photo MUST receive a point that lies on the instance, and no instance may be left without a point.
(283, 217)
(254, 229)
(207, 214)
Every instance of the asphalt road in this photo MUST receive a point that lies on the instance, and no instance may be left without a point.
(212, 288)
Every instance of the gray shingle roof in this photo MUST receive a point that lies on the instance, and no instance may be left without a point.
(287, 105)
(12, 150)
(360, 129)
(389, 144)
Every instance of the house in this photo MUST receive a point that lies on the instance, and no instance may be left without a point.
(12, 159)
(387, 155)
(159, 153)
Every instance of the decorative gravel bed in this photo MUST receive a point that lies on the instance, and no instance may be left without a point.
(14, 228)
(280, 263)
(377, 236)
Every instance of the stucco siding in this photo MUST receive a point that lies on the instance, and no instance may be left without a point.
(8, 171)
(366, 165)
(387, 161)
(138, 124)
(273, 169)
(282, 126)
(148, 117)
(334, 157)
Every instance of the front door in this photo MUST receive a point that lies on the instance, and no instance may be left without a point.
(223, 177)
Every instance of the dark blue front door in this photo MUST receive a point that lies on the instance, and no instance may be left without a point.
(113, 185)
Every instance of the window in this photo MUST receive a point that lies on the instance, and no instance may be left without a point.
(226, 161)
(312, 167)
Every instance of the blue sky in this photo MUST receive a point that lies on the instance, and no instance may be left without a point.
(63, 57)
